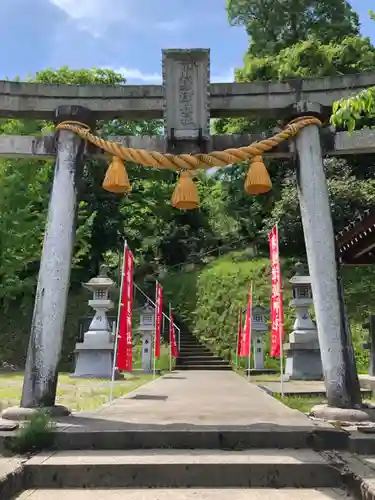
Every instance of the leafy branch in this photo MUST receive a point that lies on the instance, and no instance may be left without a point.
(347, 112)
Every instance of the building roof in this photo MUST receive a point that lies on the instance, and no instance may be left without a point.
(356, 242)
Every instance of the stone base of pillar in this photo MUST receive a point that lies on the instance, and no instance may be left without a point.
(303, 361)
(330, 413)
(94, 361)
(260, 371)
(18, 413)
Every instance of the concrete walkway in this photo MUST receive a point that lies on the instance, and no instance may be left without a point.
(190, 494)
(194, 398)
(196, 409)
(300, 388)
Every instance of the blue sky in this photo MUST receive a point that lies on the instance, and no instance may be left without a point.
(122, 34)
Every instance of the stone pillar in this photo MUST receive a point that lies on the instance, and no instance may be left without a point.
(339, 373)
(47, 327)
(371, 370)
(370, 344)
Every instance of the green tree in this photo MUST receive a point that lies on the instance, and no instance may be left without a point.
(273, 25)
(357, 110)
(348, 195)
(158, 234)
(305, 59)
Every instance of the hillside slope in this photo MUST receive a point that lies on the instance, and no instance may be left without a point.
(207, 299)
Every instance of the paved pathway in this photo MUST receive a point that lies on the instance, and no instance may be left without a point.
(191, 494)
(190, 399)
(298, 387)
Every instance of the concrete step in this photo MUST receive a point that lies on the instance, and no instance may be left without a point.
(361, 443)
(203, 357)
(187, 355)
(190, 342)
(191, 345)
(265, 436)
(205, 367)
(181, 469)
(199, 351)
(203, 361)
(187, 494)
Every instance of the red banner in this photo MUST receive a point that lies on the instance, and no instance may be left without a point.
(172, 337)
(277, 310)
(158, 318)
(246, 331)
(239, 331)
(124, 359)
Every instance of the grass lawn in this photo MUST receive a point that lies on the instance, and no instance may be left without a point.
(301, 403)
(77, 394)
(80, 394)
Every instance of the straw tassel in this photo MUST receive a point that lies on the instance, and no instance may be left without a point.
(116, 178)
(185, 195)
(257, 180)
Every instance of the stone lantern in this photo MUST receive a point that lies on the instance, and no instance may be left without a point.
(146, 330)
(259, 330)
(303, 361)
(94, 356)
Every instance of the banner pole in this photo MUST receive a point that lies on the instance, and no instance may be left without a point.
(238, 336)
(251, 324)
(179, 337)
(170, 339)
(281, 323)
(154, 347)
(117, 325)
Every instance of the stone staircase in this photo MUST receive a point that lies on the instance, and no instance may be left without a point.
(182, 475)
(190, 436)
(196, 356)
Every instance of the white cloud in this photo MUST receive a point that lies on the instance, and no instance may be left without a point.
(78, 10)
(136, 75)
(95, 16)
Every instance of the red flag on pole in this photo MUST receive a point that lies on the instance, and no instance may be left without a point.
(158, 317)
(172, 337)
(277, 310)
(239, 331)
(246, 331)
(124, 359)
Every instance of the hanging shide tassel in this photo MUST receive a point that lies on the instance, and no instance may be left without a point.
(185, 195)
(257, 180)
(116, 178)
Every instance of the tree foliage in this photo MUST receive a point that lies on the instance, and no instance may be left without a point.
(273, 25)
(159, 235)
(309, 58)
(355, 110)
(289, 39)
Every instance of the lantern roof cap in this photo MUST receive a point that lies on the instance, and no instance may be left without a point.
(100, 281)
(147, 307)
(257, 308)
(301, 275)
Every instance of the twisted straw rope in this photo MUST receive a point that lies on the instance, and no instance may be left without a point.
(189, 161)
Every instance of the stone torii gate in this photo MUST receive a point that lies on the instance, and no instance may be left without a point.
(186, 101)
